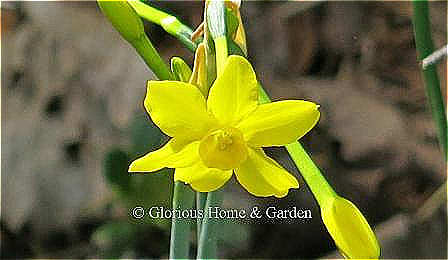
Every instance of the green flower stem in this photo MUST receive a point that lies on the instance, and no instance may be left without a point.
(320, 188)
(127, 22)
(216, 29)
(183, 198)
(201, 199)
(152, 58)
(208, 237)
(168, 22)
(425, 47)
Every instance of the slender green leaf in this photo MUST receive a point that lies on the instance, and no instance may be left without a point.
(425, 47)
(209, 229)
(181, 227)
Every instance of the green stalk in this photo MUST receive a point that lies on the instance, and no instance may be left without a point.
(152, 58)
(355, 239)
(216, 28)
(201, 199)
(183, 198)
(425, 47)
(322, 191)
(168, 22)
(319, 186)
(126, 21)
(208, 237)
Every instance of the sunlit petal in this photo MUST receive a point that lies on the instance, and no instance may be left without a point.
(201, 178)
(263, 177)
(171, 155)
(279, 123)
(178, 109)
(234, 93)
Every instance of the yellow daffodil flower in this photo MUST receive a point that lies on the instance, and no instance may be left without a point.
(216, 136)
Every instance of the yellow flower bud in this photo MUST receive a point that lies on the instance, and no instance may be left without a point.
(349, 229)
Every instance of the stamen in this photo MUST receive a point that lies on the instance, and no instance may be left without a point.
(224, 149)
(224, 139)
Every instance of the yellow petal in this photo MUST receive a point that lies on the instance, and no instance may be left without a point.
(201, 178)
(234, 93)
(171, 155)
(349, 229)
(178, 109)
(263, 177)
(279, 123)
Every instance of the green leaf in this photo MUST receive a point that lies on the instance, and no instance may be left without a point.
(168, 22)
(425, 46)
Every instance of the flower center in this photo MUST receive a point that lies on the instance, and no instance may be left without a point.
(224, 149)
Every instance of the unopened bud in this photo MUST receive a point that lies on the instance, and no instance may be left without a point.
(123, 18)
(349, 229)
(181, 70)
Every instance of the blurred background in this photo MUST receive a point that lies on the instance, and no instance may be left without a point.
(72, 118)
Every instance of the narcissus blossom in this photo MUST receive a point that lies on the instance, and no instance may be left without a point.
(216, 136)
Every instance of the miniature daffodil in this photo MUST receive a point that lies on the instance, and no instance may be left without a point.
(216, 136)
